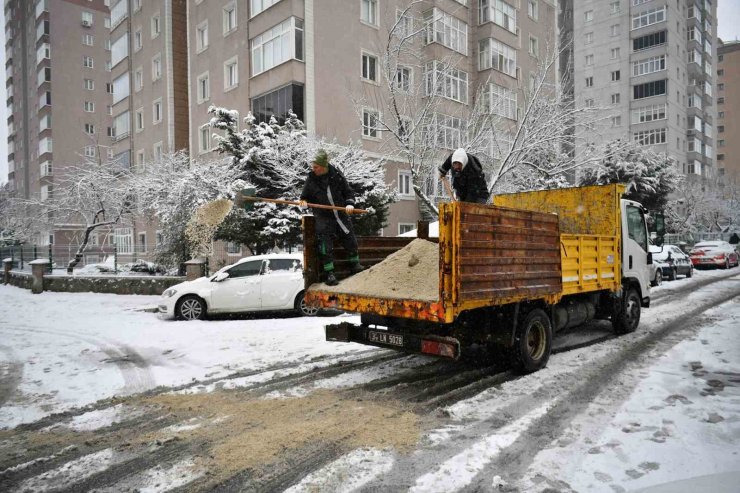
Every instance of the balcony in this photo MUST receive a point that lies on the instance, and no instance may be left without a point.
(42, 6)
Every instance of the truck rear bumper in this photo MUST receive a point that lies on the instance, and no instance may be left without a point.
(445, 347)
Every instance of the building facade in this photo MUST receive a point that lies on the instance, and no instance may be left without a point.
(651, 64)
(728, 109)
(322, 60)
(57, 81)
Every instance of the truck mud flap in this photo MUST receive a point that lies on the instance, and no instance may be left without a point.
(445, 347)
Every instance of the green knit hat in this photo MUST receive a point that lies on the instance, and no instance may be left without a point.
(321, 158)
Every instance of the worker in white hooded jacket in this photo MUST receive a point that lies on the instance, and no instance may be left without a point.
(468, 179)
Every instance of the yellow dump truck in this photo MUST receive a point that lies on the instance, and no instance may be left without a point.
(511, 274)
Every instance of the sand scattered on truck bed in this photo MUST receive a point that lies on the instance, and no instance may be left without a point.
(410, 273)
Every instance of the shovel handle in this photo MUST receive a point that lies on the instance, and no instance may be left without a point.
(295, 202)
(446, 183)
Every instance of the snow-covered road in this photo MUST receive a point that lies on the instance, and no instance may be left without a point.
(614, 415)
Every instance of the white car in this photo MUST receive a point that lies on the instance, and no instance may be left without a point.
(259, 283)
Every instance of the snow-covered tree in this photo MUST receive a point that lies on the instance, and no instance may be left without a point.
(171, 190)
(701, 204)
(650, 177)
(275, 159)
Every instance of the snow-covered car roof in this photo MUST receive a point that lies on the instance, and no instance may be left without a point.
(265, 256)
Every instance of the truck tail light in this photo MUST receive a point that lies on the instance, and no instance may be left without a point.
(438, 348)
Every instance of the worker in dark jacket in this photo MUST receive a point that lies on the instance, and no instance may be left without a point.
(327, 185)
(468, 179)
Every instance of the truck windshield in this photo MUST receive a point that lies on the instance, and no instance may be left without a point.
(636, 226)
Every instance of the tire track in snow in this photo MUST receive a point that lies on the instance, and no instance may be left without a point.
(11, 374)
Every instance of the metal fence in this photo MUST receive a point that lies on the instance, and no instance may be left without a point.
(692, 238)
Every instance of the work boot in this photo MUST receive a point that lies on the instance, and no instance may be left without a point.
(356, 267)
(331, 280)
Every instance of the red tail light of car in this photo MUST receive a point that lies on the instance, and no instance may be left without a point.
(721, 256)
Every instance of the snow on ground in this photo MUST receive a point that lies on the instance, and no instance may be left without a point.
(66, 350)
(681, 421)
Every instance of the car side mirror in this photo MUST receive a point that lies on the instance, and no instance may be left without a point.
(220, 277)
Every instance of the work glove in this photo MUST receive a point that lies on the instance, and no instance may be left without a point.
(349, 208)
(303, 204)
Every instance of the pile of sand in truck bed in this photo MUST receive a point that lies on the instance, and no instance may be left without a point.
(410, 273)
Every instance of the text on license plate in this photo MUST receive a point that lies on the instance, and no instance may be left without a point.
(385, 338)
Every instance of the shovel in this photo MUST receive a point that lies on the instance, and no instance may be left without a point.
(246, 197)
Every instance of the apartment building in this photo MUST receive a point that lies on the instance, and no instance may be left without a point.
(651, 63)
(319, 58)
(728, 109)
(57, 80)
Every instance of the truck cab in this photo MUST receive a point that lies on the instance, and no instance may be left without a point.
(636, 259)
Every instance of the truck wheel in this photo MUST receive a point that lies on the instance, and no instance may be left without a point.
(532, 343)
(626, 316)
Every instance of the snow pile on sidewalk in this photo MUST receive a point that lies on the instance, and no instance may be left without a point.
(410, 273)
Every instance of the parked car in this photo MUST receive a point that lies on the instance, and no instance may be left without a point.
(673, 262)
(656, 273)
(714, 254)
(259, 283)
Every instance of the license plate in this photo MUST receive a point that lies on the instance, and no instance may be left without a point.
(385, 338)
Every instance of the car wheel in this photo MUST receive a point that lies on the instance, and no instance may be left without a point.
(690, 272)
(673, 274)
(626, 316)
(304, 308)
(658, 278)
(532, 343)
(190, 307)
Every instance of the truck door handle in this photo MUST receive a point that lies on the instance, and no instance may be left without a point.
(630, 262)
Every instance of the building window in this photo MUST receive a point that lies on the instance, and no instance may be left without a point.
(201, 36)
(139, 120)
(405, 183)
(88, 39)
(89, 151)
(720, 128)
(231, 74)
(615, 53)
(141, 242)
(441, 27)
(649, 89)
(229, 17)
(156, 25)
(648, 65)
(46, 192)
(87, 19)
(589, 60)
(370, 123)
(615, 30)
(138, 79)
(405, 227)
(123, 239)
(158, 151)
(277, 45)
(615, 8)
(444, 131)
(720, 87)
(204, 87)
(120, 87)
(258, 6)
(404, 79)
(119, 49)
(89, 84)
(122, 125)
(498, 12)
(369, 12)
(157, 67)
(278, 103)
(588, 38)
(615, 98)
(370, 67)
(533, 9)
(443, 80)
(204, 138)
(588, 15)
(650, 137)
(648, 17)
(649, 40)
(616, 121)
(140, 159)
(589, 81)
(499, 100)
(138, 40)
(616, 74)
(157, 111)
(589, 103)
(89, 107)
(87, 61)
(498, 56)
(89, 129)
(534, 46)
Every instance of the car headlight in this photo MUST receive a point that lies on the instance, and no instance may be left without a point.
(169, 293)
